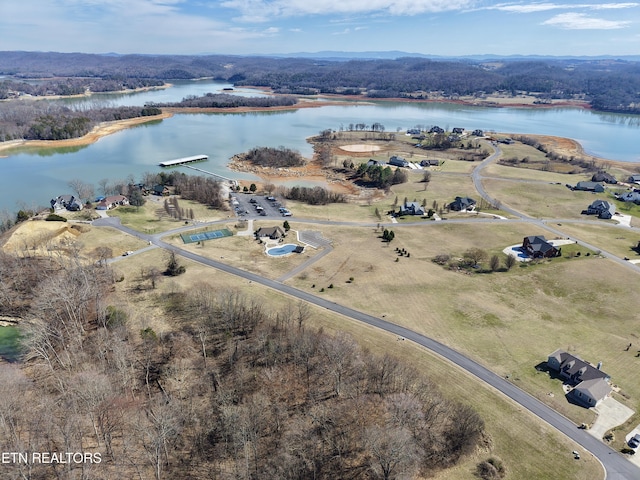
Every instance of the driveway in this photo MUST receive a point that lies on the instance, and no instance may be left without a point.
(611, 413)
(622, 219)
(633, 458)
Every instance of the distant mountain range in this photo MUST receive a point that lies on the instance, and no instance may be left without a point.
(393, 54)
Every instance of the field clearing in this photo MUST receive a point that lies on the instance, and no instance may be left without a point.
(520, 151)
(616, 240)
(541, 200)
(348, 212)
(152, 218)
(38, 237)
(561, 303)
(443, 188)
(517, 437)
(517, 173)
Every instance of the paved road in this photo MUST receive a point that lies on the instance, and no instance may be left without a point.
(617, 467)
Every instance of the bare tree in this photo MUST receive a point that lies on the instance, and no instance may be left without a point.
(81, 188)
(393, 452)
(510, 261)
(339, 353)
(475, 255)
(304, 314)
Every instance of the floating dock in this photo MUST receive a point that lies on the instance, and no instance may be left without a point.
(184, 160)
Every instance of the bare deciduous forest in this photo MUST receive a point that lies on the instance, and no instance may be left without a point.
(236, 390)
(223, 100)
(46, 121)
(607, 84)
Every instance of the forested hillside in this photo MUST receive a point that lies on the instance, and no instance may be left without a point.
(236, 389)
(612, 85)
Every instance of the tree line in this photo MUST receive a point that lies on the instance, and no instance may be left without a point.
(273, 157)
(380, 177)
(237, 388)
(611, 85)
(312, 195)
(47, 121)
(225, 100)
(73, 86)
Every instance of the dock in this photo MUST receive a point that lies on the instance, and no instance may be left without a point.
(217, 175)
(184, 160)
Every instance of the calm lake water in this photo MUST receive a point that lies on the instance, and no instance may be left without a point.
(33, 177)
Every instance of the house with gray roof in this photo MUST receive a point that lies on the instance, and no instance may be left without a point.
(590, 392)
(398, 161)
(634, 179)
(462, 203)
(602, 208)
(537, 246)
(589, 187)
(412, 208)
(590, 384)
(274, 233)
(376, 163)
(633, 196)
(604, 177)
(68, 202)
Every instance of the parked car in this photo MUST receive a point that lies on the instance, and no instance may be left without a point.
(634, 442)
(286, 214)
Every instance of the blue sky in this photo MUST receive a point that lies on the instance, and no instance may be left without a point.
(441, 27)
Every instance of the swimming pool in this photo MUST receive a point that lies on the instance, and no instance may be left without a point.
(283, 250)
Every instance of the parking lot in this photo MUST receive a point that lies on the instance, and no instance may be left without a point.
(248, 205)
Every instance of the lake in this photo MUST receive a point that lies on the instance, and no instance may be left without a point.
(33, 176)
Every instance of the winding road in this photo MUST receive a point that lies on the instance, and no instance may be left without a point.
(616, 466)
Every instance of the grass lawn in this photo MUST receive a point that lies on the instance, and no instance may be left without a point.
(618, 241)
(152, 218)
(541, 200)
(561, 303)
(515, 173)
(529, 448)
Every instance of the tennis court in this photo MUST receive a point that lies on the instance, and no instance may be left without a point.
(202, 236)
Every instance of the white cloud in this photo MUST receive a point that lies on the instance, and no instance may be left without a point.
(543, 7)
(253, 10)
(124, 26)
(580, 21)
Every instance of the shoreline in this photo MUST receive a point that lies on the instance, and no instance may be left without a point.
(101, 130)
(87, 94)
(565, 145)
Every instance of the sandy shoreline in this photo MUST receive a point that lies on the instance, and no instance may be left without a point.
(99, 131)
